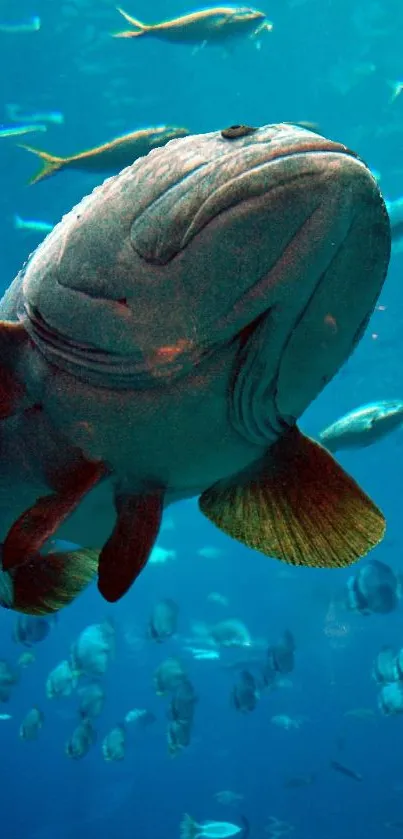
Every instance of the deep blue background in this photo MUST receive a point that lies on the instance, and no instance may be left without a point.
(106, 87)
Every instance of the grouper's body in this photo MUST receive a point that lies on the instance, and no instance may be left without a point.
(162, 342)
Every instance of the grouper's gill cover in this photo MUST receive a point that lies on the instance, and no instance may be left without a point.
(157, 265)
(181, 318)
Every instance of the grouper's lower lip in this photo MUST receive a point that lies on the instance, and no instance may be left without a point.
(104, 368)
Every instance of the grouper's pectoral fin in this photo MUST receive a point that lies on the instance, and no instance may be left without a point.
(129, 546)
(37, 524)
(298, 506)
(45, 584)
(13, 397)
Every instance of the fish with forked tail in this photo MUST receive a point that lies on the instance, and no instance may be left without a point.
(208, 26)
(274, 244)
(109, 157)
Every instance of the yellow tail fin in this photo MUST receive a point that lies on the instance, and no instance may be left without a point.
(139, 28)
(50, 164)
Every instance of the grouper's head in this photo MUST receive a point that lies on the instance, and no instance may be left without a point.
(199, 244)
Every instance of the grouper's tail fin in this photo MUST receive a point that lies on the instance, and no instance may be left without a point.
(50, 164)
(138, 27)
(46, 584)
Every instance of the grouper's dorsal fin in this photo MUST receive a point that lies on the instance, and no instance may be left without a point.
(298, 505)
(13, 397)
(129, 546)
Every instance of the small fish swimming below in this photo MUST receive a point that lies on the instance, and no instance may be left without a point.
(80, 742)
(374, 588)
(216, 597)
(31, 724)
(159, 555)
(114, 744)
(92, 698)
(32, 24)
(61, 681)
(227, 796)
(163, 621)
(363, 426)
(345, 770)
(200, 654)
(109, 157)
(361, 714)
(93, 650)
(299, 781)
(8, 678)
(32, 225)
(29, 630)
(189, 829)
(245, 694)
(140, 717)
(287, 722)
(26, 659)
(168, 676)
(207, 26)
(18, 130)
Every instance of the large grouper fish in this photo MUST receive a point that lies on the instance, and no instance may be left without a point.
(162, 342)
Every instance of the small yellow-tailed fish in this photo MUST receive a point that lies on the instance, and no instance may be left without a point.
(18, 130)
(110, 157)
(33, 24)
(32, 225)
(215, 25)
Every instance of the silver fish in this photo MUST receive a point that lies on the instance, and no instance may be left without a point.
(363, 426)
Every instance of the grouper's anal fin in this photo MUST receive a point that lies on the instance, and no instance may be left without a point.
(297, 505)
(13, 397)
(46, 584)
(41, 584)
(126, 552)
(36, 525)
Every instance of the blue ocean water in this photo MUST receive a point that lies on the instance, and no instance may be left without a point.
(335, 64)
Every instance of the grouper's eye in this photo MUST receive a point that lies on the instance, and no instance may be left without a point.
(236, 131)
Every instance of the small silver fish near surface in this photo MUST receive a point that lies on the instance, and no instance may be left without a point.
(19, 130)
(363, 426)
(32, 24)
(32, 225)
(15, 114)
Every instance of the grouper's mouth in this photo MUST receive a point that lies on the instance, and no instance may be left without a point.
(104, 368)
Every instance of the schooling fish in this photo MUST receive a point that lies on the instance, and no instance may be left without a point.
(110, 157)
(189, 829)
(162, 342)
(208, 26)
